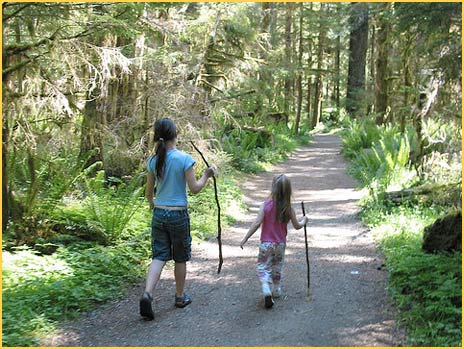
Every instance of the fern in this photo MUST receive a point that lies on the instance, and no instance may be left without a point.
(111, 208)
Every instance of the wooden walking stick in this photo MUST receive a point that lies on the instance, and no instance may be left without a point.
(218, 210)
(307, 252)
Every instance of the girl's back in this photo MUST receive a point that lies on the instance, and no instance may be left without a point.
(272, 230)
(171, 189)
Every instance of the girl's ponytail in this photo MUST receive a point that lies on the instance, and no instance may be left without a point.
(165, 130)
(160, 157)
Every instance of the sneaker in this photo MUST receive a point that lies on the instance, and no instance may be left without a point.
(146, 310)
(268, 302)
(183, 301)
(277, 292)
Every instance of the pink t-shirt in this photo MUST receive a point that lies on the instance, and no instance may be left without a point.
(271, 230)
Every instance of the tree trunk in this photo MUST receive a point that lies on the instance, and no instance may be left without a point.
(309, 79)
(5, 201)
(95, 112)
(91, 148)
(207, 72)
(273, 25)
(288, 55)
(5, 130)
(357, 61)
(418, 115)
(337, 72)
(371, 79)
(299, 82)
(381, 78)
(264, 73)
(318, 88)
(266, 23)
(407, 85)
(11, 207)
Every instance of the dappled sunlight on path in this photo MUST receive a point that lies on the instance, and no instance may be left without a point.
(348, 306)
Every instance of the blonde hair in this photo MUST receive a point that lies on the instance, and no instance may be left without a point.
(281, 193)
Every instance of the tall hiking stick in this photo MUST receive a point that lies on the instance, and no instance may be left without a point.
(218, 209)
(307, 252)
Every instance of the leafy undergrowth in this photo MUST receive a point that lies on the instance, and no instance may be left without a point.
(41, 290)
(252, 151)
(426, 287)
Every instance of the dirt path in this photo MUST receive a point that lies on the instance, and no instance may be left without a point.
(349, 306)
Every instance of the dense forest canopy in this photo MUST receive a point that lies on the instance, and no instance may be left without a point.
(83, 82)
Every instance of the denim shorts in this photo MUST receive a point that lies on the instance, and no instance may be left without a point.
(170, 235)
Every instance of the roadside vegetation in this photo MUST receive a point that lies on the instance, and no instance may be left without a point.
(403, 199)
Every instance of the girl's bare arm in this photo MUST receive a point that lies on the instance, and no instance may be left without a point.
(196, 185)
(254, 226)
(149, 189)
(298, 224)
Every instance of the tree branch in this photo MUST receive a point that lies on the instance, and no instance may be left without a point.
(9, 70)
(15, 49)
(233, 96)
(211, 85)
(11, 15)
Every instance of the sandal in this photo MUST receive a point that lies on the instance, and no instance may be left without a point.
(183, 301)
(146, 310)
(277, 292)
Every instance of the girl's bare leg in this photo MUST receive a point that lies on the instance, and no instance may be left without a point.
(153, 275)
(180, 272)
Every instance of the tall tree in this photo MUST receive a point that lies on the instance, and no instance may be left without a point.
(318, 86)
(288, 57)
(52, 67)
(382, 63)
(338, 73)
(309, 63)
(299, 78)
(430, 50)
(359, 31)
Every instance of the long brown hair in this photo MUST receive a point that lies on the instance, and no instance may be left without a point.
(281, 193)
(165, 130)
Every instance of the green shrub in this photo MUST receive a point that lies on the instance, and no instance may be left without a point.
(39, 291)
(425, 287)
(253, 151)
(41, 194)
(385, 162)
(359, 135)
(111, 207)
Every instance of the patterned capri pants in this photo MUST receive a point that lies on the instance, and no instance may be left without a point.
(270, 261)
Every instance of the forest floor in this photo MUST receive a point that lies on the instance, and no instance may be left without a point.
(348, 305)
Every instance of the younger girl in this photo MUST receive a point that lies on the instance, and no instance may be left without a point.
(274, 215)
(171, 170)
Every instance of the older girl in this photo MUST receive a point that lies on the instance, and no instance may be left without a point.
(172, 170)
